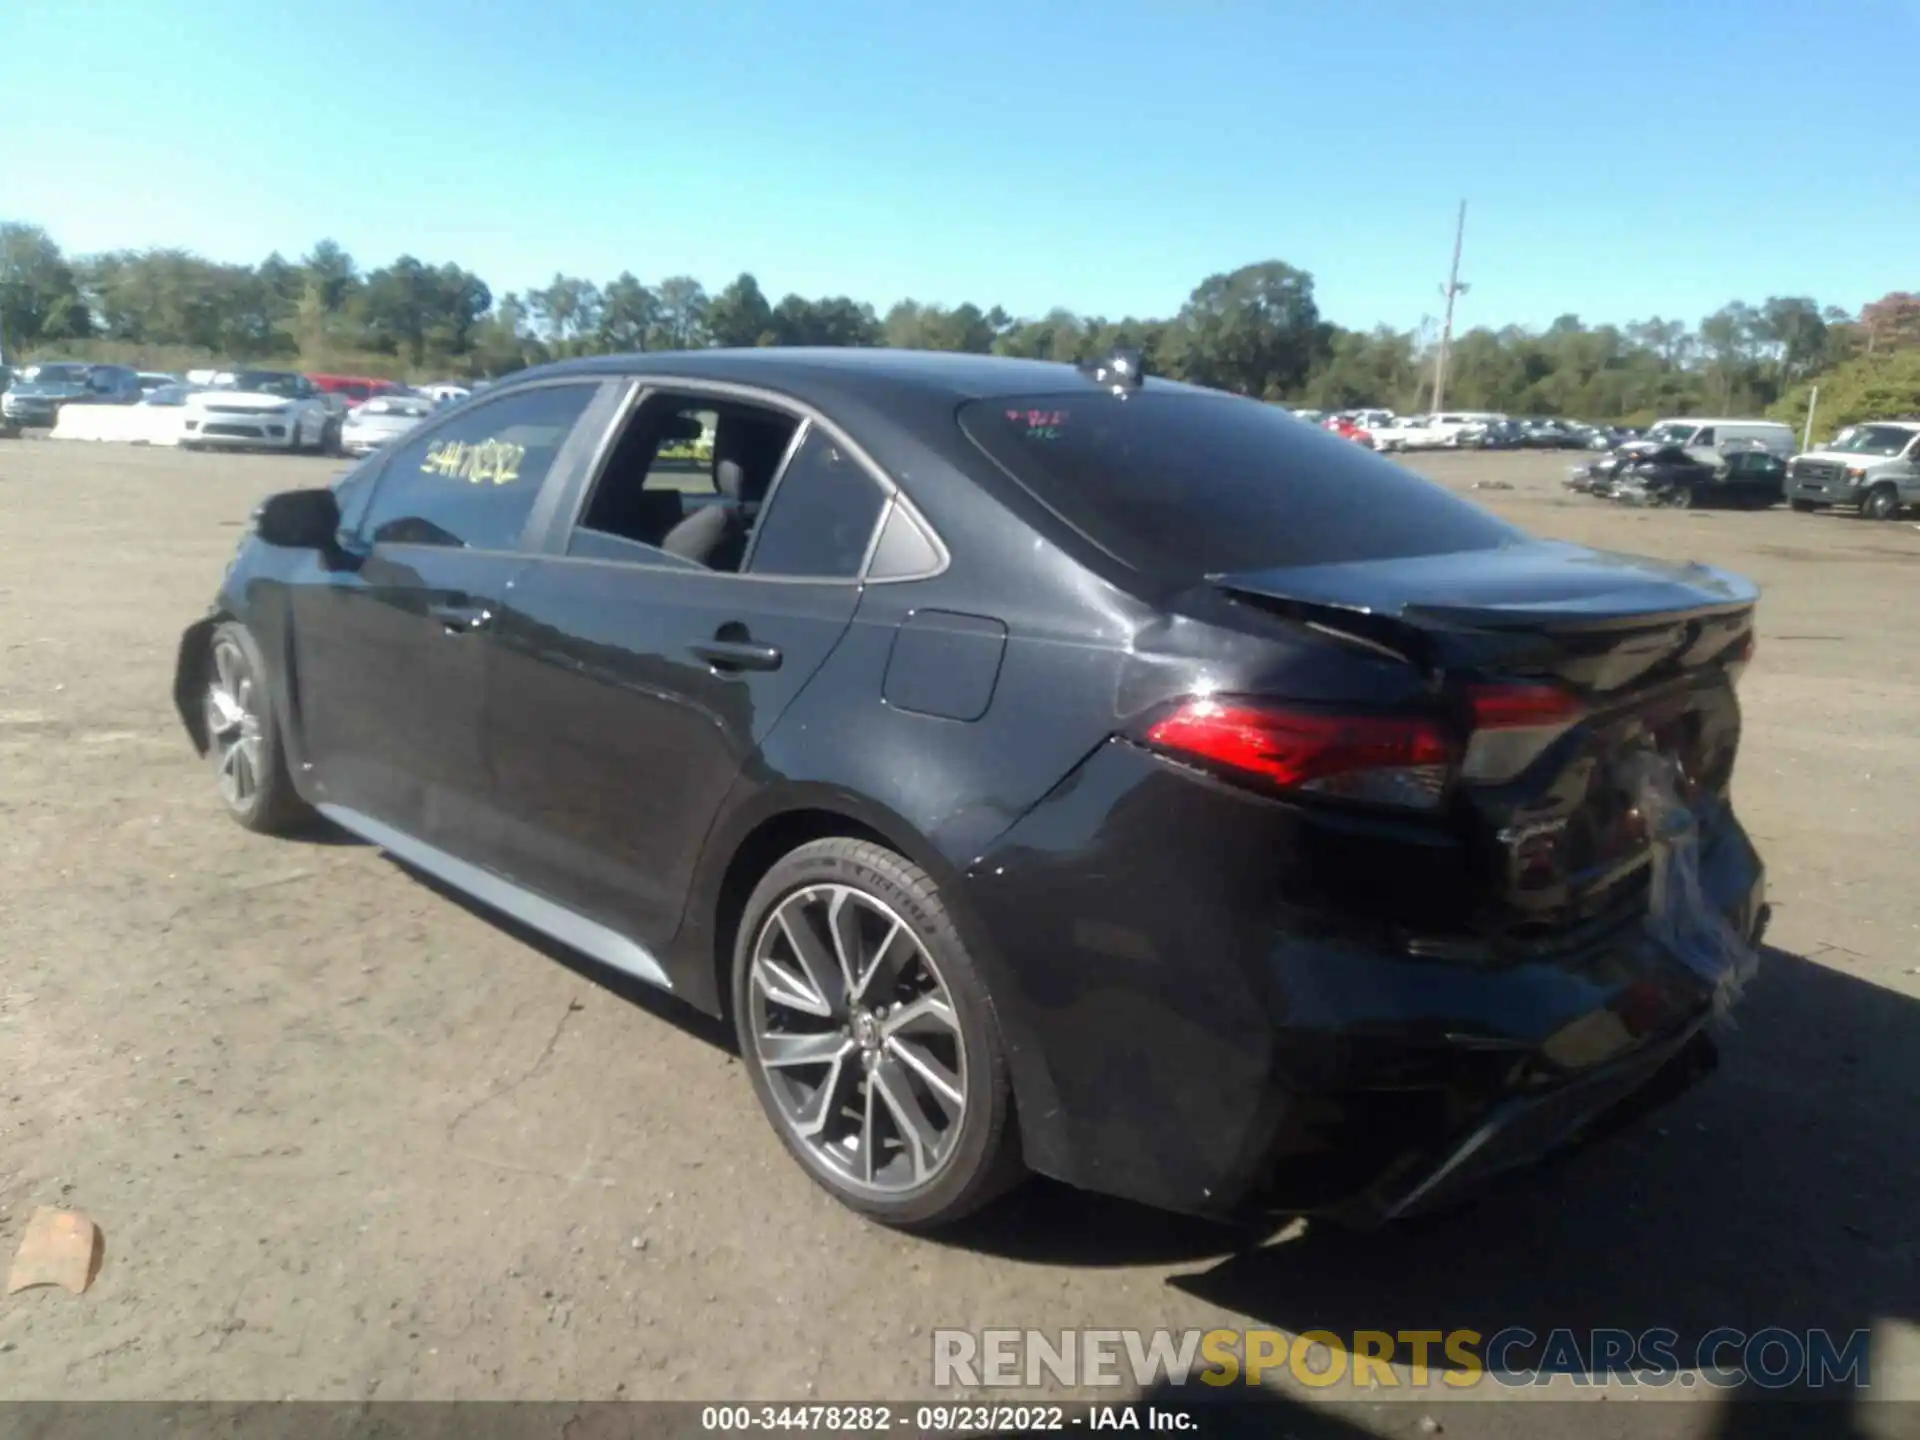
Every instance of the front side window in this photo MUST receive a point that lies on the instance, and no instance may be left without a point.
(819, 520)
(472, 482)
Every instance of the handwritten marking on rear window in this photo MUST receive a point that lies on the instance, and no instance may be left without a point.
(1039, 424)
(494, 462)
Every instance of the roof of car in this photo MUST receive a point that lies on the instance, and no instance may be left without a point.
(1722, 420)
(849, 370)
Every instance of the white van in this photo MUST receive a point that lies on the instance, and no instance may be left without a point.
(1708, 436)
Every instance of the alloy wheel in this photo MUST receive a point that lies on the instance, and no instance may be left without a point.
(855, 1033)
(233, 724)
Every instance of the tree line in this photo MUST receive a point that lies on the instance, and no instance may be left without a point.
(1256, 331)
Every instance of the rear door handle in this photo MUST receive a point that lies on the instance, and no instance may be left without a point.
(737, 654)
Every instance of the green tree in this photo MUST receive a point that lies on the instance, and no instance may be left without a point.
(739, 316)
(680, 319)
(1254, 331)
(628, 311)
(39, 294)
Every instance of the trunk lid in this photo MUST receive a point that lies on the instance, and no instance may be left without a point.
(1645, 654)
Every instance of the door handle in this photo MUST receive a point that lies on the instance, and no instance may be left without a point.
(737, 654)
(457, 618)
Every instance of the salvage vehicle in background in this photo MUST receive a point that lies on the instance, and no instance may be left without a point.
(1348, 428)
(1043, 768)
(382, 420)
(258, 409)
(1707, 439)
(356, 390)
(38, 391)
(1874, 468)
(1750, 479)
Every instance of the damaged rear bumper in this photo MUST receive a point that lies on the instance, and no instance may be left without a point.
(1188, 1032)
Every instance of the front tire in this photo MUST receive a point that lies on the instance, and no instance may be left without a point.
(869, 1037)
(1802, 507)
(1883, 503)
(244, 739)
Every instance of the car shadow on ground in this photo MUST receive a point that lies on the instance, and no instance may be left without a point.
(1776, 1194)
(661, 1004)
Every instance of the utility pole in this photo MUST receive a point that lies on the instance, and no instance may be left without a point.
(1452, 288)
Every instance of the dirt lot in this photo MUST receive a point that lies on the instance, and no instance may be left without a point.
(347, 1138)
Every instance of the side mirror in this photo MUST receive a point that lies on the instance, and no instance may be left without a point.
(299, 519)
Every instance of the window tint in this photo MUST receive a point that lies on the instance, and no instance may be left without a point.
(820, 517)
(472, 482)
(1705, 437)
(1181, 485)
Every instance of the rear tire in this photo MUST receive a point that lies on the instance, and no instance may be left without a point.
(902, 1109)
(1882, 503)
(1803, 507)
(243, 736)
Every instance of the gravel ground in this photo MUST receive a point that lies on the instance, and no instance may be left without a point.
(347, 1138)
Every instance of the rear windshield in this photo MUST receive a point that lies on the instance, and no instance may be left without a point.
(1180, 485)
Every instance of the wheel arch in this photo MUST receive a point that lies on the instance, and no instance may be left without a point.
(753, 840)
(1888, 488)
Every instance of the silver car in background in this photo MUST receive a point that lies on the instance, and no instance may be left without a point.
(383, 419)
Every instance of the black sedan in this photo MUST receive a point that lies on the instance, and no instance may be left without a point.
(1044, 768)
(1671, 476)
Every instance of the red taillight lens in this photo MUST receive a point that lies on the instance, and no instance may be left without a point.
(1512, 724)
(1507, 707)
(1403, 761)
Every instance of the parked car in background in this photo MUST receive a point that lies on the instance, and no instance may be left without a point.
(258, 409)
(1707, 438)
(1874, 467)
(170, 396)
(444, 392)
(1392, 434)
(1347, 428)
(1501, 435)
(1598, 477)
(382, 420)
(1551, 435)
(1750, 479)
(37, 393)
(356, 389)
(1454, 429)
(156, 379)
(1317, 882)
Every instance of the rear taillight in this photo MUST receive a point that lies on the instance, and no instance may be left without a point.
(1402, 761)
(1511, 724)
(1407, 762)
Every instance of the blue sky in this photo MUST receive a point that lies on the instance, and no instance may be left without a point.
(1621, 158)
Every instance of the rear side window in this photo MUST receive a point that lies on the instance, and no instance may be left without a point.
(472, 482)
(819, 520)
(1181, 485)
